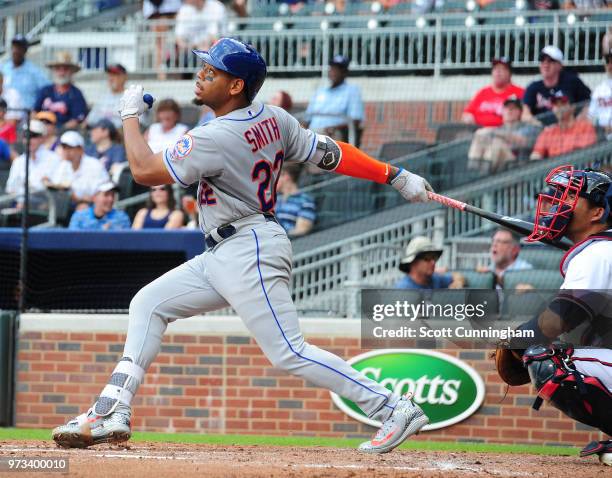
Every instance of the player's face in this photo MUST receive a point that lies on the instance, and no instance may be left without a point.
(212, 87)
(583, 217)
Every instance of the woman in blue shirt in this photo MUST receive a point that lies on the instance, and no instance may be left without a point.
(160, 211)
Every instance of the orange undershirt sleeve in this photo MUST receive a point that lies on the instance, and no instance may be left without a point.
(357, 164)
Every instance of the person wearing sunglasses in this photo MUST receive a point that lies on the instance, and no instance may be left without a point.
(160, 211)
(600, 108)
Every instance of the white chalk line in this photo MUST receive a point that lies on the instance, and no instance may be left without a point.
(191, 455)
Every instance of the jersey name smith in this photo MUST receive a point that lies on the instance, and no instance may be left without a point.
(263, 133)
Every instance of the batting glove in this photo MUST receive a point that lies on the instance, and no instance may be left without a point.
(411, 186)
(131, 104)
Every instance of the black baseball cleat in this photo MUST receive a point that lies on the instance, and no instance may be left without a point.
(601, 448)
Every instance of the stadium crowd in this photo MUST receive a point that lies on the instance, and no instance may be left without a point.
(75, 145)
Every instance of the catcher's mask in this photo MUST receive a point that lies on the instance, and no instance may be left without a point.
(556, 204)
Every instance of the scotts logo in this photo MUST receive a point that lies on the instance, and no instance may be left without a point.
(447, 389)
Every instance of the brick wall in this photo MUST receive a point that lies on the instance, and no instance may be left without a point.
(223, 384)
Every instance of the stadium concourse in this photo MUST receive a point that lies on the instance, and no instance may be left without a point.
(481, 98)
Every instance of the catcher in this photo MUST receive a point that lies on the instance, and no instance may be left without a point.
(575, 379)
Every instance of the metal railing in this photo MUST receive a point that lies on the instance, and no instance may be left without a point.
(329, 276)
(392, 43)
(34, 17)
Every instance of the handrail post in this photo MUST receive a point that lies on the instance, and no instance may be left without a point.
(438, 48)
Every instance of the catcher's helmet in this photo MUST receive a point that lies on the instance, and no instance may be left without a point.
(557, 202)
(239, 60)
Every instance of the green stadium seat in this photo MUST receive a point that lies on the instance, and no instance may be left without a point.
(397, 149)
(544, 279)
(478, 280)
(542, 257)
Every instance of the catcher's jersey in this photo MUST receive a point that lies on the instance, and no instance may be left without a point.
(588, 265)
(237, 159)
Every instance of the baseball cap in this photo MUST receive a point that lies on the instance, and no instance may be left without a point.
(502, 60)
(105, 123)
(418, 245)
(37, 127)
(105, 187)
(116, 69)
(560, 97)
(72, 139)
(20, 40)
(49, 116)
(339, 60)
(553, 53)
(513, 100)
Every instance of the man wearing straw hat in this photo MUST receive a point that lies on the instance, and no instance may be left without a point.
(62, 97)
(419, 265)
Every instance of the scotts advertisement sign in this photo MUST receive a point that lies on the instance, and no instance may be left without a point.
(447, 389)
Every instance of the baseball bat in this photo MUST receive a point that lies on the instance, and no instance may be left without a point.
(519, 226)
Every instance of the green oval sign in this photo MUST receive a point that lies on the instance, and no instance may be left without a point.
(447, 389)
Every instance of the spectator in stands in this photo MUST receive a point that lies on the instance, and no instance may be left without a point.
(543, 4)
(13, 100)
(62, 97)
(167, 130)
(108, 105)
(77, 171)
(333, 107)
(105, 145)
(419, 265)
(23, 75)
(50, 120)
(6, 156)
(160, 12)
(189, 206)
(493, 148)
(295, 210)
(600, 109)
(199, 23)
(282, 99)
(538, 95)
(43, 163)
(505, 250)
(160, 211)
(569, 134)
(485, 109)
(101, 215)
(8, 132)
(422, 7)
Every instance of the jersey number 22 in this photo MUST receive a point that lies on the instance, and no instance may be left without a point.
(263, 172)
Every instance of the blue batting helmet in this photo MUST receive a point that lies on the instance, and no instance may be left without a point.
(239, 60)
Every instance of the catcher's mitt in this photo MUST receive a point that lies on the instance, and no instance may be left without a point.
(509, 364)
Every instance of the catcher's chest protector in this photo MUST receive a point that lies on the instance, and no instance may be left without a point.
(581, 397)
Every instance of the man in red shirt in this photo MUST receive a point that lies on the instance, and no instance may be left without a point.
(485, 109)
(569, 134)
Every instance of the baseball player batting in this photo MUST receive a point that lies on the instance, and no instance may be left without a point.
(576, 379)
(237, 159)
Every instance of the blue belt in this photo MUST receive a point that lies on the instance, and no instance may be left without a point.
(228, 230)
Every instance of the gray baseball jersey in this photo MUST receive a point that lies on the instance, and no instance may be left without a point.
(237, 160)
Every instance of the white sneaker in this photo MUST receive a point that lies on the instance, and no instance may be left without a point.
(90, 429)
(406, 420)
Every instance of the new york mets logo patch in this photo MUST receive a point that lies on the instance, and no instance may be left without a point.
(183, 147)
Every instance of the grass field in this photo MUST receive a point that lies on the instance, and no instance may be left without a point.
(43, 434)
